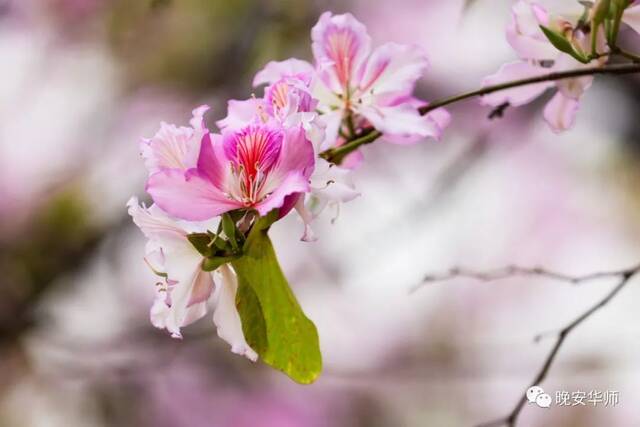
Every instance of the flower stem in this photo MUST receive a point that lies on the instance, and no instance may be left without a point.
(368, 135)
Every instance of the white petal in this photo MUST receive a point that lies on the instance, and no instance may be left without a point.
(226, 317)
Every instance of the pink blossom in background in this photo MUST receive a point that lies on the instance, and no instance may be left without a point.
(538, 56)
(374, 86)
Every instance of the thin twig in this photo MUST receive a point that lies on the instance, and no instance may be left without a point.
(513, 271)
(336, 154)
(624, 278)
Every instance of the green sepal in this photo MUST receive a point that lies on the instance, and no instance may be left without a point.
(273, 323)
(201, 242)
(229, 228)
(563, 45)
(212, 263)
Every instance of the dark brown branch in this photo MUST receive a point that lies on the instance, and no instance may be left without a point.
(513, 271)
(336, 154)
(624, 278)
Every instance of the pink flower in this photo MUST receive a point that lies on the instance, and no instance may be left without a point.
(539, 56)
(373, 87)
(287, 100)
(183, 293)
(631, 16)
(175, 147)
(255, 167)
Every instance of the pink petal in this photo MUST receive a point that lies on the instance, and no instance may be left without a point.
(297, 153)
(524, 34)
(393, 69)
(171, 147)
(275, 70)
(175, 147)
(340, 44)
(212, 161)
(240, 113)
(188, 195)
(353, 160)
(519, 95)
(631, 17)
(294, 182)
(307, 218)
(560, 112)
(402, 121)
(155, 226)
(197, 121)
(201, 289)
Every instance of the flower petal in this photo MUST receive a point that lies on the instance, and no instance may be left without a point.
(294, 182)
(393, 69)
(524, 34)
(188, 195)
(402, 120)
(631, 17)
(340, 45)
(155, 225)
(240, 113)
(519, 95)
(226, 317)
(307, 218)
(175, 147)
(560, 112)
(275, 70)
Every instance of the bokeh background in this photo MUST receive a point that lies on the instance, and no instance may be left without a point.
(82, 80)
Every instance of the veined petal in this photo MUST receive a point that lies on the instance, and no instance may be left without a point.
(297, 152)
(519, 95)
(560, 112)
(331, 122)
(293, 182)
(175, 147)
(393, 69)
(188, 195)
(197, 121)
(524, 34)
(212, 161)
(275, 70)
(400, 120)
(307, 218)
(631, 17)
(226, 317)
(333, 182)
(156, 225)
(192, 289)
(340, 45)
(241, 113)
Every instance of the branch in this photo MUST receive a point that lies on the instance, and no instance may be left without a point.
(513, 270)
(368, 135)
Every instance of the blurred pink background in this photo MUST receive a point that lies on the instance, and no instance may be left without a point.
(83, 80)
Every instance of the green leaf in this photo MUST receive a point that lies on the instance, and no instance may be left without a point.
(212, 263)
(562, 44)
(201, 241)
(229, 228)
(272, 320)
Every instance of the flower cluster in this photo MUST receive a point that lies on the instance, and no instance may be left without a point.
(215, 194)
(556, 36)
(209, 189)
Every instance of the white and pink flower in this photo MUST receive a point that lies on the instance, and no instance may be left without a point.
(255, 167)
(184, 291)
(538, 56)
(368, 87)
